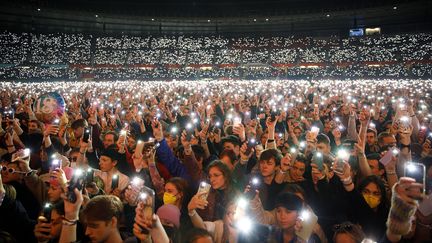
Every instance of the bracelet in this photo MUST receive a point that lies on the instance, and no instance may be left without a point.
(69, 222)
(192, 214)
(270, 140)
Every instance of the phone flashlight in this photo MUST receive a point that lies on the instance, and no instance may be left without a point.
(137, 182)
(343, 154)
(404, 119)
(114, 181)
(174, 130)
(302, 144)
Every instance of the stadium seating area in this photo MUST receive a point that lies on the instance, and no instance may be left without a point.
(29, 56)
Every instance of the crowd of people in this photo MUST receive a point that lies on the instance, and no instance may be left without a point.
(216, 161)
(32, 56)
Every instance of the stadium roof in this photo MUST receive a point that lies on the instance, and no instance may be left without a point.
(308, 17)
(207, 8)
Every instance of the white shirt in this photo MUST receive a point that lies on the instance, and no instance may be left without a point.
(122, 184)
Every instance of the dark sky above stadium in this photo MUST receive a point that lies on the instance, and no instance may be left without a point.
(199, 8)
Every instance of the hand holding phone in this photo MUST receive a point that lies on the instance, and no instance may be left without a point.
(87, 134)
(254, 185)
(204, 188)
(46, 211)
(55, 164)
(308, 221)
(89, 176)
(318, 159)
(388, 156)
(77, 181)
(147, 201)
(416, 171)
(139, 148)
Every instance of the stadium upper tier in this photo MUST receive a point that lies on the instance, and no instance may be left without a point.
(73, 56)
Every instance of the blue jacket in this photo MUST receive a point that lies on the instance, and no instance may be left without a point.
(172, 163)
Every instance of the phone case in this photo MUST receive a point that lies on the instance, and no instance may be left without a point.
(387, 157)
(114, 182)
(147, 197)
(307, 226)
(318, 161)
(139, 148)
(417, 172)
(47, 212)
(77, 181)
(204, 187)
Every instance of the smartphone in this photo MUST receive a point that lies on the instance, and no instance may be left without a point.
(55, 164)
(123, 134)
(20, 155)
(404, 123)
(189, 131)
(139, 148)
(147, 198)
(89, 176)
(137, 183)
(318, 159)
(388, 156)
(273, 115)
(417, 172)
(56, 122)
(309, 220)
(114, 181)
(254, 184)
(204, 187)
(342, 157)
(236, 121)
(9, 114)
(77, 181)
(250, 145)
(46, 211)
(87, 134)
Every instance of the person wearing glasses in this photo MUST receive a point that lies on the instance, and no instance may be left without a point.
(13, 175)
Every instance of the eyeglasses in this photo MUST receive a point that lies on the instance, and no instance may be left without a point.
(73, 159)
(11, 170)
